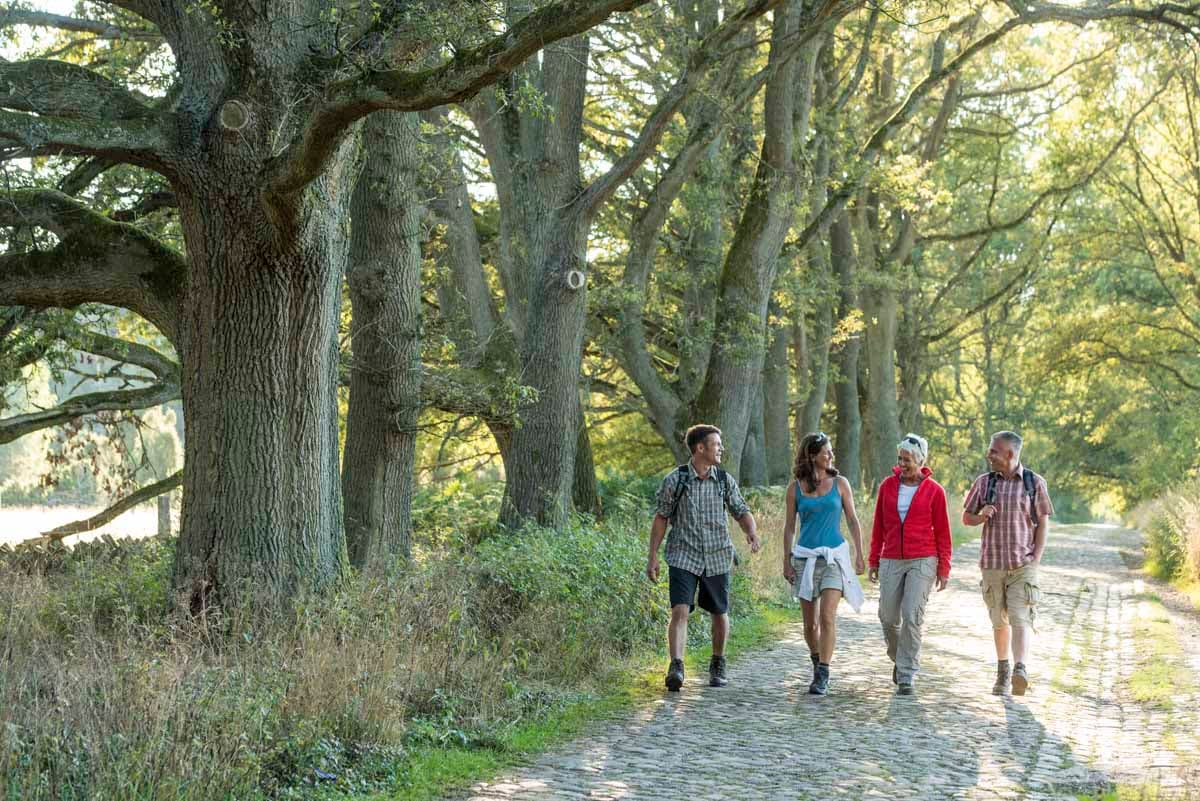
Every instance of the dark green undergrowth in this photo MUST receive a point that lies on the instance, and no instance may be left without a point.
(487, 646)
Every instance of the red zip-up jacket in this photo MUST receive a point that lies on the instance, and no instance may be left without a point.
(925, 530)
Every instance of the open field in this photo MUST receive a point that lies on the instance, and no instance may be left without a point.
(18, 523)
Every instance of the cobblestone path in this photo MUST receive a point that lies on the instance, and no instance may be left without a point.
(1076, 732)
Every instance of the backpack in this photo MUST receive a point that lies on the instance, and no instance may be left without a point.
(1028, 478)
(685, 478)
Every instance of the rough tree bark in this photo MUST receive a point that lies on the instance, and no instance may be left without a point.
(776, 409)
(259, 151)
(384, 277)
(846, 389)
(730, 388)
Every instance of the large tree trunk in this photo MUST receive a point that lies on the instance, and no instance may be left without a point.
(912, 355)
(814, 401)
(704, 201)
(542, 463)
(463, 292)
(385, 336)
(553, 242)
(776, 412)
(754, 454)
(262, 509)
(728, 397)
(585, 494)
(882, 423)
(846, 391)
(819, 269)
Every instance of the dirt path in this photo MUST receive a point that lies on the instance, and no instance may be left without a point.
(1076, 732)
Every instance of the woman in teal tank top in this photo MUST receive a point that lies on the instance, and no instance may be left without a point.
(820, 519)
(819, 564)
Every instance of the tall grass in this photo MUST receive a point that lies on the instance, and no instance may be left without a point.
(105, 692)
(1171, 525)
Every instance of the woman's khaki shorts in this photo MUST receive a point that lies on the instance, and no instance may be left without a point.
(1011, 595)
(825, 576)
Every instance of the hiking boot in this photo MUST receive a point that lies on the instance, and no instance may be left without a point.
(675, 675)
(1020, 679)
(816, 660)
(716, 672)
(820, 682)
(1003, 679)
(904, 689)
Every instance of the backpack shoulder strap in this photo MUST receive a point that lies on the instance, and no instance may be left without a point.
(681, 485)
(989, 495)
(1030, 480)
(723, 484)
(722, 480)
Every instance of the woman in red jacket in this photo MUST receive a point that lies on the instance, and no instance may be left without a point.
(910, 552)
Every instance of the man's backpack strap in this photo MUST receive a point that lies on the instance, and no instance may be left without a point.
(1029, 478)
(722, 477)
(685, 478)
(681, 484)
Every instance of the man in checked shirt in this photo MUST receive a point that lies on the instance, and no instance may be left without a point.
(695, 498)
(1014, 538)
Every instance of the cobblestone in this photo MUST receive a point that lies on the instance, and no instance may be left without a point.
(763, 737)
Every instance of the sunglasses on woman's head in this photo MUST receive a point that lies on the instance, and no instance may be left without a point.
(912, 440)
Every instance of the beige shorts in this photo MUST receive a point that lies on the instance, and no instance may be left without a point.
(825, 576)
(1011, 596)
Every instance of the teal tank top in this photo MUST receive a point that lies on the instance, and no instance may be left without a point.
(820, 518)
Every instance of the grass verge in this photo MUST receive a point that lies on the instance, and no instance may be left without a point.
(1160, 677)
(433, 772)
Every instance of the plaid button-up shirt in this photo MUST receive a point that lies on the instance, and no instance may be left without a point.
(699, 539)
(1007, 541)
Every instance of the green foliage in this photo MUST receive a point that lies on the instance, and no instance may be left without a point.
(1164, 549)
(1171, 526)
(109, 584)
(400, 682)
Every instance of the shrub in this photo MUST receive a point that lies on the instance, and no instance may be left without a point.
(107, 693)
(1171, 525)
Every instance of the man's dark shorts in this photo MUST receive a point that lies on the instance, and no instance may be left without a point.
(714, 590)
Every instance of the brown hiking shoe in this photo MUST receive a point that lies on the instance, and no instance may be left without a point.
(716, 672)
(1020, 679)
(1003, 679)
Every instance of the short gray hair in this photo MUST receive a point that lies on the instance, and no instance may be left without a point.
(1011, 437)
(916, 445)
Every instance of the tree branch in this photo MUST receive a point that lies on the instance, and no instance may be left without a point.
(120, 507)
(61, 89)
(52, 107)
(453, 82)
(1054, 191)
(97, 260)
(860, 66)
(869, 154)
(17, 426)
(135, 353)
(707, 53)
(100, 29)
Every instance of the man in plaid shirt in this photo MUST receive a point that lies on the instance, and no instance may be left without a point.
(694, 499)
(1014, 538)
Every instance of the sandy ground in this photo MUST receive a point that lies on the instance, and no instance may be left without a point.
(18, 523)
